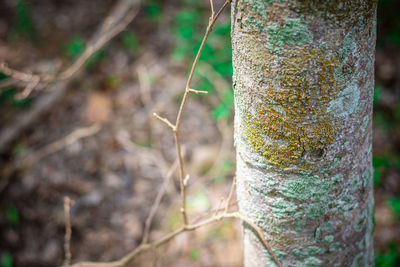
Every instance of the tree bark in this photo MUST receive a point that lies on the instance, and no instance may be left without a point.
(303, 85)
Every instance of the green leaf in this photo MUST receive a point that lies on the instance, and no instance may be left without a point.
(380, 162)
(194, 254)
(22, 103)
(223, 110)
(6, 260)
(388, 259)
(24, 23)
(185, 33)
(75, 47)
(12, 215)
(377, 177)
(377, 93)
(187, 17)
(394, 204)
(153, 10)
(95, 59)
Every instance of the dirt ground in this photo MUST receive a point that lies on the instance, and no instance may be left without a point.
(113, 174)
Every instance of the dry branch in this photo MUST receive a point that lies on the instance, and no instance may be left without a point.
(186, 225)
(120, 16)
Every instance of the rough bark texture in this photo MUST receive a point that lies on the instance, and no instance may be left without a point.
(303, 84)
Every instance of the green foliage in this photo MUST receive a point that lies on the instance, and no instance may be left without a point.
(23, 27)
(381, 120)
(153, 10)
(388, 259)
(75, 47)
(12, 215)
(377, 93)
(95, 58)
(380, 162)
(189, 28)
(6, 260)
(130, 42)
(223, 110)
(199, 201)
(194, 254)
(397, 115)
(377, 178)
(8, 95)
(394, 204)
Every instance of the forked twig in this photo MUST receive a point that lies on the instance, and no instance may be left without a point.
(186, 225)
(213, 19)
(228, 201)
(186, 228)
(116, 21)
(122, 14)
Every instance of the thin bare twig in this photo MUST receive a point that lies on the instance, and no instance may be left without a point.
(186, 228)
(165, 120)
(213, 19)
(116, 21)
(157, 202)
(64, 142)
(197, 91)
(49, 149)
(67, 239)
(228, 200)
(121, 15)
(212, 8)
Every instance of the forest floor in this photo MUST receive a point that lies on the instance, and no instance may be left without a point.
(113, 174)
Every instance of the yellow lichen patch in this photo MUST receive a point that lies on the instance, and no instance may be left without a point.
(289, 125)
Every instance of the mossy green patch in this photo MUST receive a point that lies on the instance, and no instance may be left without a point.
(360, 221)
(309, 251)
(364, 123)
(290, 125)
(309, 262)
(282, 208)
(346, 103)
(308, 188)
(293, 32)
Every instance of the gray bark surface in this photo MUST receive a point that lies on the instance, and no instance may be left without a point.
(303, 85)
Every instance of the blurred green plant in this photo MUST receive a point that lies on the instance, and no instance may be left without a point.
(131, 43)
(199, 201)
(23, 27)
(381, 120)
(8, 95)
(6, 260)
(95, 59)
(223, 110)
(75, 47)
(194, 254)
(394, 205)
(377, 94)
(153, 10)
(12, 215)
(216, 53)
(389, 259)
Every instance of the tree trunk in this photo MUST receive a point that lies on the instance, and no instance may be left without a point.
(303, 84)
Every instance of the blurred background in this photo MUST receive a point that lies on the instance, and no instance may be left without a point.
(97, 142)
